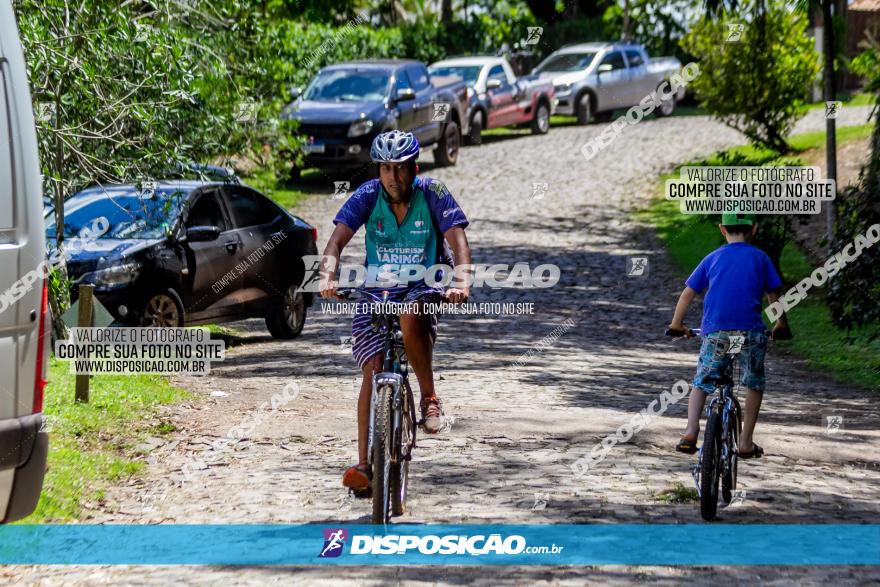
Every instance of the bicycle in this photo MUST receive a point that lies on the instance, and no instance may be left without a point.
(718, 458)
(393, 423)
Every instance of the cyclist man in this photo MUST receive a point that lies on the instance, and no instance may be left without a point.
(406, 219)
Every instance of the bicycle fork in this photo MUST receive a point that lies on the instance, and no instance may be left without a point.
(395, 380)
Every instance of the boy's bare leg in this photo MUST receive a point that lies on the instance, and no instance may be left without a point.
(695, 408)
(750, 418)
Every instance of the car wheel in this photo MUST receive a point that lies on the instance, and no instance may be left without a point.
(163, 309)
(541, 121)
(286, 319)
(446, 153)
(584, 109)
(666, 108)
(475, 134)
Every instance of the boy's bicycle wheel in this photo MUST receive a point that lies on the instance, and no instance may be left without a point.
(404, 443)
(728, 480)
(382, 443)
(710, 456)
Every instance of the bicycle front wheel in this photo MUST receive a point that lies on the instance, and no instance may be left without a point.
(728, 481)
(382, 442)
(710, 467)
(405, 441)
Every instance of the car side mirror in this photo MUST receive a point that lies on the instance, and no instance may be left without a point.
(605, 68)
(405, 94)
(294, 93)
(493, 84)
(199, 234)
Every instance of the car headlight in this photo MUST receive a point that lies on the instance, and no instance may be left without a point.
(114, 276)
(562, 88)
(360, 128)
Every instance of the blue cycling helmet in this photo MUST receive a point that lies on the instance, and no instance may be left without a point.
(394, 146)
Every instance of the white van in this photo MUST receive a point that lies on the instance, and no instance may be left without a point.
(24, 318)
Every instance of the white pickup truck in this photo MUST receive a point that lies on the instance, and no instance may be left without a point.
(592, 80)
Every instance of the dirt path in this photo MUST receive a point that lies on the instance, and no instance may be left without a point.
(506, 457)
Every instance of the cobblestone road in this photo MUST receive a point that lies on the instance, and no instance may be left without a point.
(506, 456)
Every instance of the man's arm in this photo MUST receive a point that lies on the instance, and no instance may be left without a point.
(460, 290)
(684, 300)
(340, 237)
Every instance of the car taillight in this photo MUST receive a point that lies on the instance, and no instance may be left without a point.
(314, 234)
(43, 343)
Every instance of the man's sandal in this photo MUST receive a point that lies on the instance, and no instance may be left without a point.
(688, 447)
(358, 479)
(756, 453)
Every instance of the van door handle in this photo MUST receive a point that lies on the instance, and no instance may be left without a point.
(231, 246)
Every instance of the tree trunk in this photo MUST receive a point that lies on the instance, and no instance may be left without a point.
(446, 12)
(830, 95)
(626, 23)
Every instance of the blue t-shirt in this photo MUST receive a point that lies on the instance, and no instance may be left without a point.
(737, 275)
(444, 212)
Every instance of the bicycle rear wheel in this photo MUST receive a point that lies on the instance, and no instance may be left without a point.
(382, 442)
(710, 456)
(728, 480)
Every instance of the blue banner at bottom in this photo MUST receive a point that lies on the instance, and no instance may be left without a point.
(468, 544)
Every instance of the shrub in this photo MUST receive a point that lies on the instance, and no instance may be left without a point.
(755, 85)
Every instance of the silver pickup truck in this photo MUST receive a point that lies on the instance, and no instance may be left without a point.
(593, 79)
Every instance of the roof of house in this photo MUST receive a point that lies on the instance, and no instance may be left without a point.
(865, 6)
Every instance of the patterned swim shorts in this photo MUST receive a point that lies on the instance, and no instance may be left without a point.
(719, 349)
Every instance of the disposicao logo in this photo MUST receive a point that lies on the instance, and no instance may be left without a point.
(334, 540)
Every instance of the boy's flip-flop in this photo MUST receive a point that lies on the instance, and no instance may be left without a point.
(688, 447)
(756, 453)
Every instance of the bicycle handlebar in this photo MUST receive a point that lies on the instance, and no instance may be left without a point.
(781, 335)
(347, 293)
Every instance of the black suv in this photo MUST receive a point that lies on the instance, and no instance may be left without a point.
(181, 253)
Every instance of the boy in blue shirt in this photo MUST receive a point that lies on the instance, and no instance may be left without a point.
(737, 275)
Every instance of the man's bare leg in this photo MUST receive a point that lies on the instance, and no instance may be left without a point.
(419, 346)
(357, 477)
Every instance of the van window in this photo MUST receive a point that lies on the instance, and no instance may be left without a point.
(7, 208)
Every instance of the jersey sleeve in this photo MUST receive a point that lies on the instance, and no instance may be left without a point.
(771, 276)
(699, 279)
(356, 210)
(444, 209)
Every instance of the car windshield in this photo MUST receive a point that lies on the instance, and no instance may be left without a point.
(567, 62)
(469, 73)
(349, 85)
(122, 213)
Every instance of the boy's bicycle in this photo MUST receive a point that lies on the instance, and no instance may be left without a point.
(393, 423)
(718, 458)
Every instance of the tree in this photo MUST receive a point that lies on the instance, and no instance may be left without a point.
(757, 84)
(125, 92)
(854, 293)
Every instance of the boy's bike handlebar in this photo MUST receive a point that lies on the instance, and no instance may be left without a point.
(781, 335)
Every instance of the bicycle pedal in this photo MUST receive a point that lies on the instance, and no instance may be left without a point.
(366, 493)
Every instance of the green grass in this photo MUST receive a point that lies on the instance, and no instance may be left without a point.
(689, 238)
(93, 445)
(678, 493)
(287, 196)
(860, 99)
